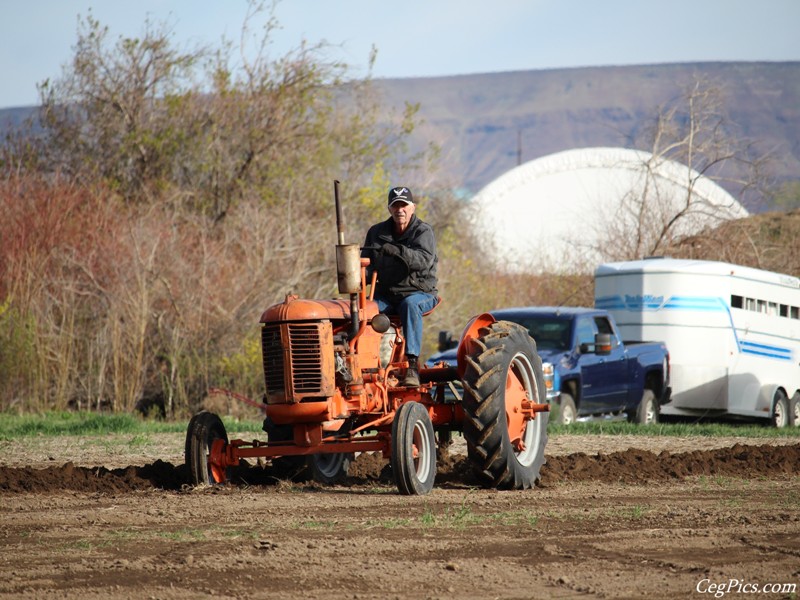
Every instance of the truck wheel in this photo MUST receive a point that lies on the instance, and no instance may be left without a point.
(647, 411)
(794, 410)
(503, 369)
(203, 430)
(780, 410)
(413, 449)
(329, 468)
(567, 413)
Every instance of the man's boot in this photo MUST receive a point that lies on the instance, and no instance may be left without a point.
(412, 373)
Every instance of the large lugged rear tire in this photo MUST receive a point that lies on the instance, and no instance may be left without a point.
(503, 367)
(203, 430)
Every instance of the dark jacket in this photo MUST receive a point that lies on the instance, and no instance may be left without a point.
(414, 270)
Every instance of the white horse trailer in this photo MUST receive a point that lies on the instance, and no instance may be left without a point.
(733, 333)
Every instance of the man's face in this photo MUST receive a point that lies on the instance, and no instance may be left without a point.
(401, 213)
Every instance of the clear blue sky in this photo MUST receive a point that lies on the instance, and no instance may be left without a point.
(418, 38)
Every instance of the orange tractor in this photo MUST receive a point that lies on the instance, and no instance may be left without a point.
(332, 371)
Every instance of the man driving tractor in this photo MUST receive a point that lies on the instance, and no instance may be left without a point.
(402, 249)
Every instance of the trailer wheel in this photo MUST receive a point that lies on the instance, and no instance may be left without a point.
(780, 410)
(503, 369)
(331, 467)
(413, 449)
(647, 411)
(794, 410)
(203, 430)
(567, 412)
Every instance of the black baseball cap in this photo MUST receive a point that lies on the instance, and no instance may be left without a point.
(400, 194)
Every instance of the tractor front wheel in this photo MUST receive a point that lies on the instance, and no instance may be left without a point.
(503, 371)
(204, 429)
(329, 468)
(413, 449)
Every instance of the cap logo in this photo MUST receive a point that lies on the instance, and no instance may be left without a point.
(400, 194)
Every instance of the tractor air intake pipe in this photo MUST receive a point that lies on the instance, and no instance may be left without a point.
(348, 264)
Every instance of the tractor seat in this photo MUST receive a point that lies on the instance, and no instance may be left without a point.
(435, 306)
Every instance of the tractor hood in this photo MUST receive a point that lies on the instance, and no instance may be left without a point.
(298, 309)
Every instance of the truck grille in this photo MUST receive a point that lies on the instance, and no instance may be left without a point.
(300, 355)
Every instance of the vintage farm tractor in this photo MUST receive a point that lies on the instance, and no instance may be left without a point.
(332, 371)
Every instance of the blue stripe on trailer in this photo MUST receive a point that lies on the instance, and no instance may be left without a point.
(610, 303)
(765, 350)
(709, 303)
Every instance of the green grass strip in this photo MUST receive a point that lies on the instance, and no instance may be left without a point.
(88, 423)
(685, 429)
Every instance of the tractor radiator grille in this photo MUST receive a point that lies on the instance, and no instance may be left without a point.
(306, 354)
(298, 360)
(272, 351)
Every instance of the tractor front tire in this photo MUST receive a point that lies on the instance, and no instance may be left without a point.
(413, 449)
(502, 367)
(329, 468)
(203, 430)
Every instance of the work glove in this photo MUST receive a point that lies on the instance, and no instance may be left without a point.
(390, 250)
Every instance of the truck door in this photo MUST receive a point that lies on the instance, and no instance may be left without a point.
(615, 369)
(590, 366)
(603, 378)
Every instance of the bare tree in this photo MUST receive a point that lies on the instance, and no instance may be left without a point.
(692, 145)
(172, 196)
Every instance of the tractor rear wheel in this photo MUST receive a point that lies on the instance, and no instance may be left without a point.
(203, 430)
(413, 449)
(502, 370)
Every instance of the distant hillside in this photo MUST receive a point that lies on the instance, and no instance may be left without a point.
(479, 119)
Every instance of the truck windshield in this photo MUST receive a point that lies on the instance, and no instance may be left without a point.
(548, 332)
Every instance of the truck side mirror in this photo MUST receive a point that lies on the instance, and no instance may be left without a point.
(602, 344)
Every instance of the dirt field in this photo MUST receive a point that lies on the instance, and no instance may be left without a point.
(613, 517)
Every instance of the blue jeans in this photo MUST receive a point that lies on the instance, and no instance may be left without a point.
(410, 310)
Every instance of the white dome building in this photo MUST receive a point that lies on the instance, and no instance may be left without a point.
(558, 213)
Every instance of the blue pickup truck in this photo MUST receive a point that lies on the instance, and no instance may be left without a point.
(594, 372)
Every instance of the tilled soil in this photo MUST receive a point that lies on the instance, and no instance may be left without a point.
(612, 517)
